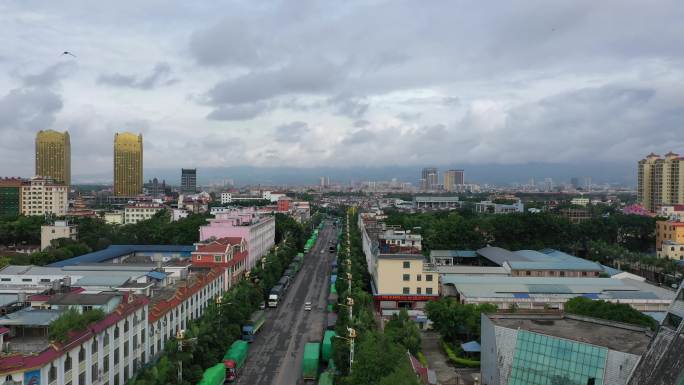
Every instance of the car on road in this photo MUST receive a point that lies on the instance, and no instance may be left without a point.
(307, 306)
(262, 305)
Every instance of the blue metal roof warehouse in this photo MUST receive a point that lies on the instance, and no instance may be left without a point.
(116, 251)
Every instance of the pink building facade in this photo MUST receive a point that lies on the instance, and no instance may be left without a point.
(257, 230)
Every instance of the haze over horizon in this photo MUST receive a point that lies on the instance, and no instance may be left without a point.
(313, 85)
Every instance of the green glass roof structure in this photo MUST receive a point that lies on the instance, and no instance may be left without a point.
(544, 360)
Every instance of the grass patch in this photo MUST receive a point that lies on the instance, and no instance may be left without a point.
(456, 360)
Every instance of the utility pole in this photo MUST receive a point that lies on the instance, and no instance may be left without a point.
(180, 337)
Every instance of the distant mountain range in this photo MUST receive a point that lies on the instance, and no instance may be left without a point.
(618, 173)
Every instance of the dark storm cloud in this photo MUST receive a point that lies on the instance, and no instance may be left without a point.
(238, 111)
(291, 132)
(33, 108)
(160, 76)
(50, 76)
(311, 75)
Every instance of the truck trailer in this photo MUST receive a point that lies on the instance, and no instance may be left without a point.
(214, 375)
(312, 355)
(256, 321)
(234, 359)
(274, 295)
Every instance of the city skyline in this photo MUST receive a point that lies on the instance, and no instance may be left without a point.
(373, 97)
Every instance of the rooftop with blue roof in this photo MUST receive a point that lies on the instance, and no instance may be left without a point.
(117, 251)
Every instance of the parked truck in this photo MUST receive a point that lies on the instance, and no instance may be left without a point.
(284, 281)
(327, 378)
(214, 375)
(234, 359)
(274, 295)
(312, 355)
(326, 350)
(256, 321)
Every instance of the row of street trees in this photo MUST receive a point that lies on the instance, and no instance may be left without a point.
(221, 323)
(380, 358)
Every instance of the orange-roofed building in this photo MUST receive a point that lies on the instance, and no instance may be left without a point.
(227, 252)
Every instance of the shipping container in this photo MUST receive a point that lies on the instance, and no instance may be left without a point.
(312, 354)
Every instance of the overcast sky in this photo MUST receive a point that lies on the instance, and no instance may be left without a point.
(342, 83)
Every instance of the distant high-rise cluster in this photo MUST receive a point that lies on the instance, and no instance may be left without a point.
(189, 180)
(53, 155)
(128, 164)
(429, 179)
(453, 178)
(660, 180)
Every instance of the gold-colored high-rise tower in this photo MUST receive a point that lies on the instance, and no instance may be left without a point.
(128, 164)
(53, 155)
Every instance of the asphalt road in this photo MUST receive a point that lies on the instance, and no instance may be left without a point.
(275, 357)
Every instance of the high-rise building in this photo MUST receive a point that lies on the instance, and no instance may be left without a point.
(10, 197)
(429, 179)
(41, 196)
(128, 164)
(324, 181)
(660, 180)
(452, 178)
(189, 180)
(53, 155)
(574, 181)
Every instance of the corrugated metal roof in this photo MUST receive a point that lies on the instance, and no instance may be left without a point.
(553, 265)
(157, 275)
(453, 253)
(115, 251)
(507, 287)
(31, 317)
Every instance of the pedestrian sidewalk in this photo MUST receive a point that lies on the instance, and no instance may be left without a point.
(437, 360)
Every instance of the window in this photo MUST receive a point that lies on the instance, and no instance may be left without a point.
(93, 346)
(116, 332)
(6, 279)
(126, 350)
(428, 277)
(81, 355)
(407, 264)
(428, 290)
(126, 325)
(418, 290)
(407, 277)
(116, 356)
(67, 363)
(105, 363)
(81, 378)
(26, 280)
(419, 277)
(93, 372)
(528, 273)
(52, 373)
(406, 290)
(142, 336)
(116, 379)
(584, 274)
(562, 274)
(105, 342)
(217, 258)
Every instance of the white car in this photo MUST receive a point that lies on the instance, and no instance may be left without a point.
(307, 306)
